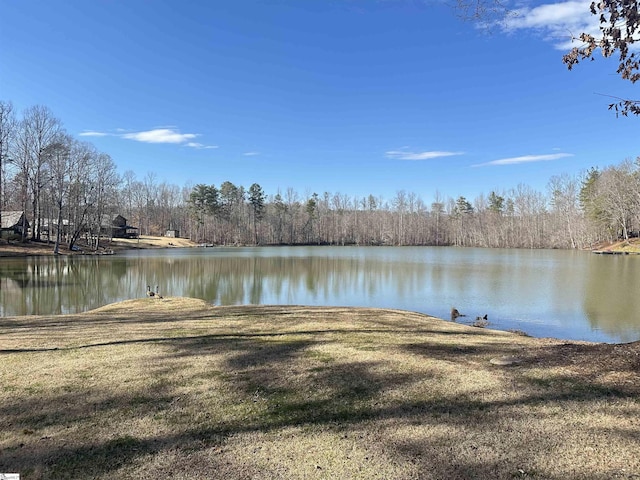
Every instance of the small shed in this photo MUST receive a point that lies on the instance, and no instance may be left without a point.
(13, 222)
(172, 233)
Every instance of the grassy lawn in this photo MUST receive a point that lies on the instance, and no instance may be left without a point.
(176, 388)
(632, 246)
(18, 249)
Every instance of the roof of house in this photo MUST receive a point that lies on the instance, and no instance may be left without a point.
(109, 220)
(10, 218)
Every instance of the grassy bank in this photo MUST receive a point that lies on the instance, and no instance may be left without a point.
(176, 388)
(19, 249)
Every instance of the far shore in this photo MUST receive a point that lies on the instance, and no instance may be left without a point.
(29, 248)
(176, 387)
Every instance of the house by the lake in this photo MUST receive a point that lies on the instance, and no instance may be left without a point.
(13, 222)
(50, 227)
(116, 227)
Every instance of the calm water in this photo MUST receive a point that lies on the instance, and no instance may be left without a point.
(565, 294)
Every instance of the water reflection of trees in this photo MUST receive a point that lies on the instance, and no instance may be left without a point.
(45, 285)
(607, 304)
(67, 285)
(511, 286)
(240, 280)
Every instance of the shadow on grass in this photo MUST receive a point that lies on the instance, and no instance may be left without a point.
(457, 351)
(39, 323)
(196, 340)
(281, 386)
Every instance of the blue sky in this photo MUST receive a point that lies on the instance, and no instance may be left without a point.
(352, 96)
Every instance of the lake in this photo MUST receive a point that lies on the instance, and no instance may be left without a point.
(554, 293)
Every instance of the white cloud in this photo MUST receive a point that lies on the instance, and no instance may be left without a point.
(251, 154)
(200, 146)
(160, 135)
(558, 22)
(91, 133)
(406, 155)
(526, 159)
(167, 134)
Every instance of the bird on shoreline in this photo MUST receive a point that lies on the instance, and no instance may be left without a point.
(149, 292)
(455, 314)
(158, 292)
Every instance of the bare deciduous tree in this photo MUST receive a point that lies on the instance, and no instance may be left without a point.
(7, 132)
(59, 159)
(38, 129)
(563, 190)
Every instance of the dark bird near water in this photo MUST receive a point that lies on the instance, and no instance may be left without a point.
(149, 292)
(455, 314)
(481, 321)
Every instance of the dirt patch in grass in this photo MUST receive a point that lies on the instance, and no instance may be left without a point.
(177, 388)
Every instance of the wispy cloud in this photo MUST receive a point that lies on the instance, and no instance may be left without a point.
(406, 155)
(251, 154)
(526, 159)
(91, 133)
(170, 135)
(160, 135)
(200, 146)
(558, 22)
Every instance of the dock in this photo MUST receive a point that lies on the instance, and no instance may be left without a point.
(611, 252)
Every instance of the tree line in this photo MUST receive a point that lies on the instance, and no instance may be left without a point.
(68, 188)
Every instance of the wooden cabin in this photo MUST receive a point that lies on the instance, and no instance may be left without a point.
(13, 223)
(116, 227)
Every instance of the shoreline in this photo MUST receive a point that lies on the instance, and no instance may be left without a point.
(32, 248)
(144, 242)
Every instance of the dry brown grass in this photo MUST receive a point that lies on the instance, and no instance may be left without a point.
(628, 246)
(176, 388)
(18, 249)
(148, 241)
